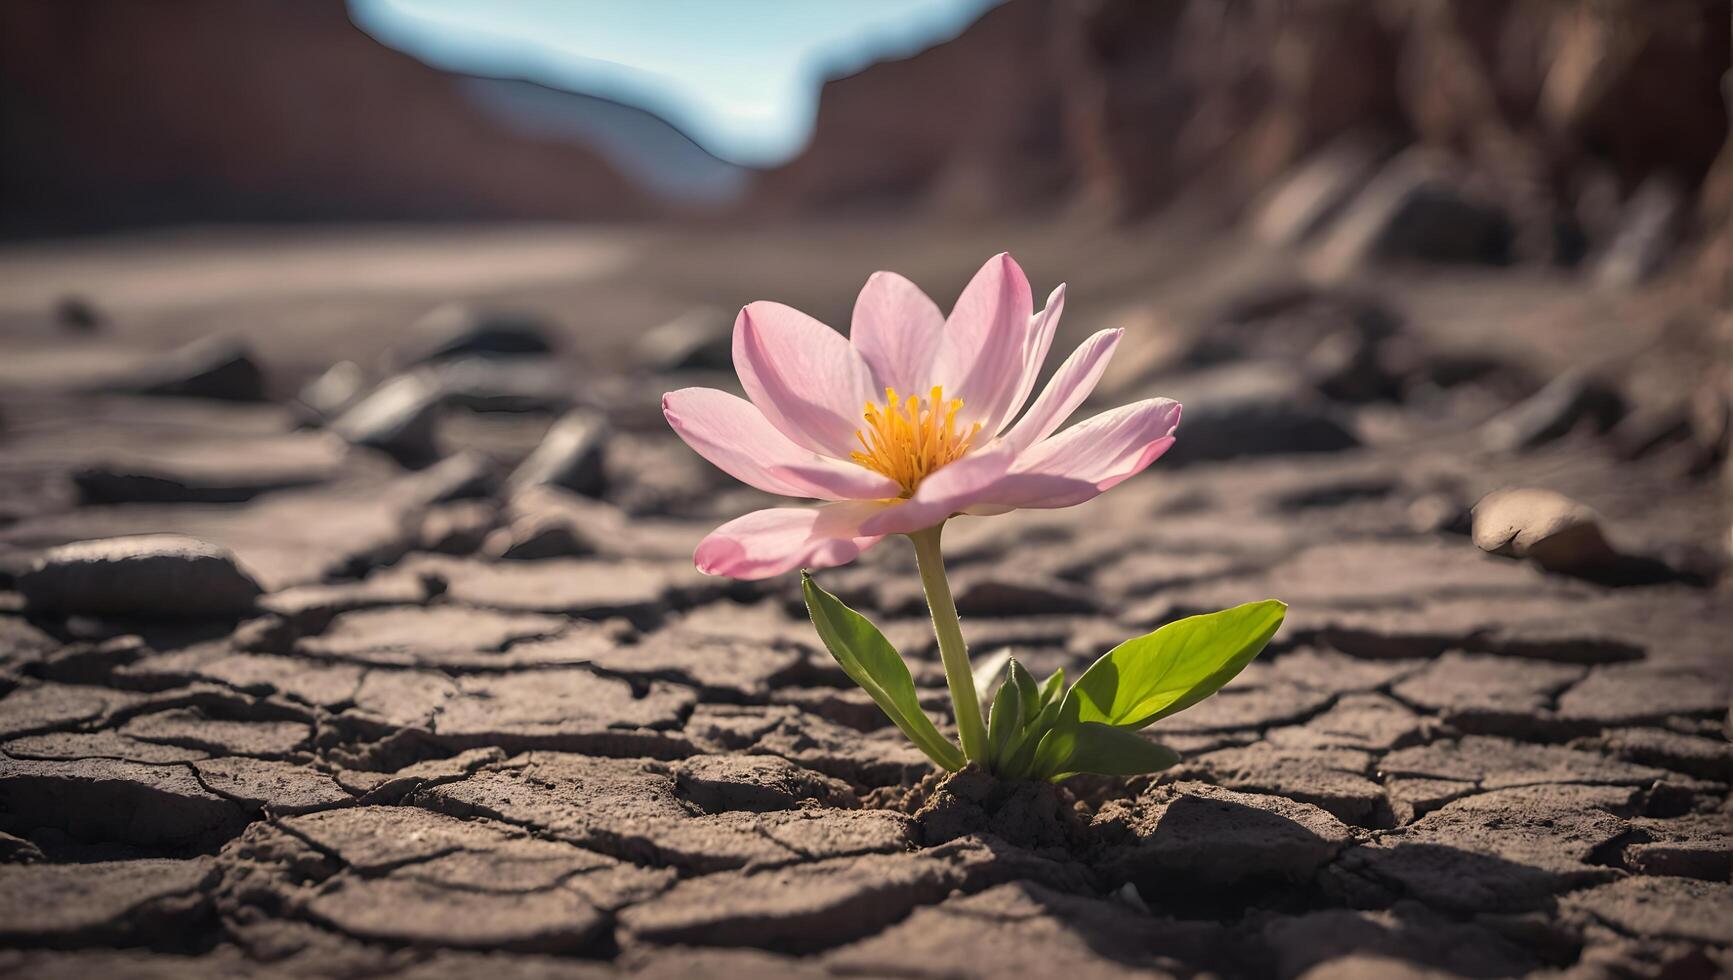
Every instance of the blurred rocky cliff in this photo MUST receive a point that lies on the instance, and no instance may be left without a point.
(1557, 131)
(1552, 130)
(120, 113)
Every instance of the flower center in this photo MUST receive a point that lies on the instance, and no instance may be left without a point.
(907, 438)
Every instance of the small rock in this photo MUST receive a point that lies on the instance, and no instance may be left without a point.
(1569, 400)
(334, 392)
(1414, 209)
(78, 314)
(1346, 366)
(1251, 409)
(1312, 194)
(1558, 532)
(461, 476)
(1652, 426)
(458, 528)
(215, 367)
(400, 417)
(456, 330)
(1648, 229)
(484, 383)
(534, 539)
(152, 576)
(698, 340)
(571, 455)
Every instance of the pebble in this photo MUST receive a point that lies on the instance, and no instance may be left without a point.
(571, 456)
(1558, 533)
(214, 367)
(400, 417)
(456, 330)
(151, 576)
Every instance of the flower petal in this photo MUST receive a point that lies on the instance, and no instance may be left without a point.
(947, 491)
(897, 329)
(806, 378)
(1070, 386)
(1086, 459)
(737, 438)
(1040, 341)
(980, 356)
(771, 542)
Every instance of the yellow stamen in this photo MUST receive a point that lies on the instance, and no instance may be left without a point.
(908, 438)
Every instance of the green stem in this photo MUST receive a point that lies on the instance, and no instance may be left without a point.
(952, 651)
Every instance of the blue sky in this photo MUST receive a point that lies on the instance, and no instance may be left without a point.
(739, 76)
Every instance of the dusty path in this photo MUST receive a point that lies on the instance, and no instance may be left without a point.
(478, 725)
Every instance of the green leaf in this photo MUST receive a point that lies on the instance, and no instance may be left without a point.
(1028, 695)
(1053, 687)
(986, 669)
(870, 661)
(1109, 751)
(1155, 675)
(1022, 758)
(1005, 717)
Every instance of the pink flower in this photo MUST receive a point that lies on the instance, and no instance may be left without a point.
(910, 420)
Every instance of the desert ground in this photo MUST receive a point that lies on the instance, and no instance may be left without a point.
(425, 683)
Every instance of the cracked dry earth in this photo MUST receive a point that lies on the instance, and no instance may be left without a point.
(484, 719)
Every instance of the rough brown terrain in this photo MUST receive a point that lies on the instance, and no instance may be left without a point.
(383, 699)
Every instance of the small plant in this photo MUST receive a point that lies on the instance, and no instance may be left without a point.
(815, 427)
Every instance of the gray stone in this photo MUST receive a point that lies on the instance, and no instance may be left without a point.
(1566, 402)
(154, 576)
(209, 471)
(457, 330)
(213, 367)
(333, 391)
(1253, 409)
(1560, 534)
(701, 339)
(572, 456)
(1415, 209)
(400, 417)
